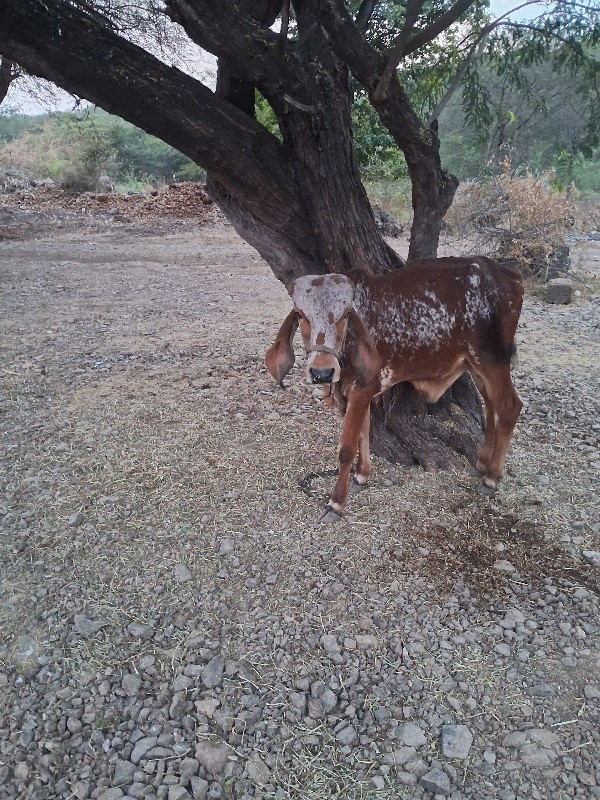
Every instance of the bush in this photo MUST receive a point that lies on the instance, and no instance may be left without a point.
(520, 219)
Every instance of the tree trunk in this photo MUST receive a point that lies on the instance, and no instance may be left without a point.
(300, 202)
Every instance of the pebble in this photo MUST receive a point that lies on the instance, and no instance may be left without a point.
(258, 772)
(213, 756)
(131, 684)
(141, 631)
(212, 674)
(347, 736)
(411, 735)
(456, 741)
(502, 565)
(86, 626)
(436, 782)
(182, 573)
(142, 746)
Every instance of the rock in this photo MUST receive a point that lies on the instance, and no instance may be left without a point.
(25, 650)
(131, 684)
(502, 649)
(207, 706)
(212, 674)
(199, 788)
(141, 631)
(543, 737)
(411, 735)
(559, 290)
(347, 736)
(178, 793)
(436, 782)
(456, 741)
(591, 692)
(86, 626)
(258, 772)
(124, 772)
(182, 573)
(366, 641)
(592, 557)
(515, 739)
(213, 755)
(329, 643)
(142, 746)
(227, 546)
(400, 757)
(75, 520)
(503, 566)
(541, 690)
(535, 756)
(111, 794)
(187, 768)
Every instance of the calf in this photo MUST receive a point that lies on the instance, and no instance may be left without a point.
(427, 324)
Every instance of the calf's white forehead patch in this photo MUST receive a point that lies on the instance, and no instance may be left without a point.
(323, 298)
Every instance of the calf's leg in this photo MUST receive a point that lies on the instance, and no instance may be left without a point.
(363, 465)
(505, 406)
(352, 429)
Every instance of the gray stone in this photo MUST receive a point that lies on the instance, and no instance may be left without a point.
(592, 557)
(131, 684)
(258, 772)
(111, 794)
(436, 782)
(86, 626)
(400, 757)
(212, 674)
(591, 692)
(182, 573)
(559, 290)
(124, 772)
(535, 756)
(347, 736)
(75, 519)
(502, 649)
(456, 741)
(329, 643)
(503, 566)
(141, 631)
(178, 793)
(411, 735)
(543, 737)
(227, 546)
(515, 739)
(187, 768)
(199, 788)
(212, 755)
(142, 746)
(207, 706)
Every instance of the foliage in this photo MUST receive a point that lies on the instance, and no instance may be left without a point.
(376, 153)
(76, 148)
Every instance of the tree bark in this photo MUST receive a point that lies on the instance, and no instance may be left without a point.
(7, 76)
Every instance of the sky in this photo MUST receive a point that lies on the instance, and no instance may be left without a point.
(56, 100)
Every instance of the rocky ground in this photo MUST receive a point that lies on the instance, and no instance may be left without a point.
(173, 624)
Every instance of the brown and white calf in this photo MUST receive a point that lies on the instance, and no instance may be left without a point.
(427, 323)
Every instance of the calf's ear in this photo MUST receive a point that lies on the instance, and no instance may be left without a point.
(280, 357)
(364, 357)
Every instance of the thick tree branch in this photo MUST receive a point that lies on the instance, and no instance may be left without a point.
(7, 75)
(246, 42)
(365, 12)
(396, 53)
(56, 41)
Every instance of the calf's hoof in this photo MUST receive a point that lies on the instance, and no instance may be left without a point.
(329, 516)
(485, 489)
(356, 487)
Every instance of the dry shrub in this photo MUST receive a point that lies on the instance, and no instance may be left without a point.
(520, 219)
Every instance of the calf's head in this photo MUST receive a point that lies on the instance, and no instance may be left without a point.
(329, 326)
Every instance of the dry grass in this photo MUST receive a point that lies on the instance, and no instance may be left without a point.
(516, 218)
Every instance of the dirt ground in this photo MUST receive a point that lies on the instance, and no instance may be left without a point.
(152, 523)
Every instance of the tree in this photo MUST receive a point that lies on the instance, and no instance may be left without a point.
(296, 197)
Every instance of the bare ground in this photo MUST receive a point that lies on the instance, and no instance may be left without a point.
(152, 474)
